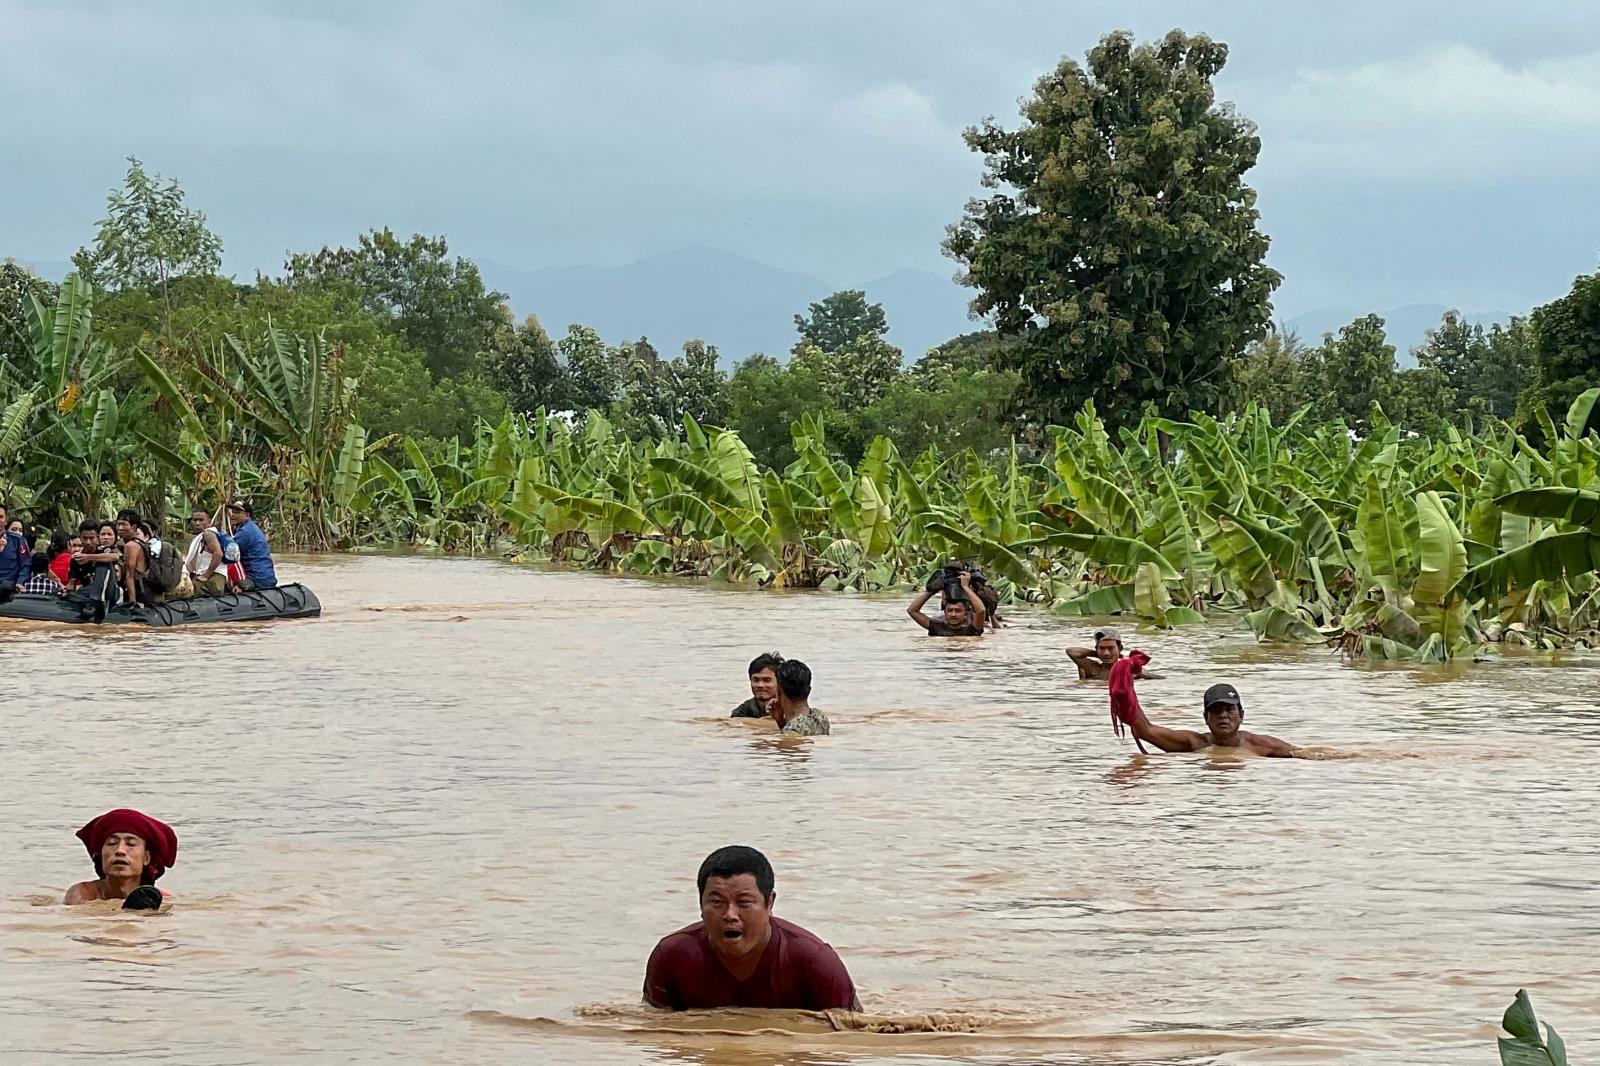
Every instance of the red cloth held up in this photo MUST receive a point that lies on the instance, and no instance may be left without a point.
(158, 837)
(1124, 700)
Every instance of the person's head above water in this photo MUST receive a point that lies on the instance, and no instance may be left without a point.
(764, 676)
(1224, 711)
(736, 898)
(1107, 644)
(957, 612)
(126, 844)
(794, 681)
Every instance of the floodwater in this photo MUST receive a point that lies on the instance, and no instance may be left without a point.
(447, 821)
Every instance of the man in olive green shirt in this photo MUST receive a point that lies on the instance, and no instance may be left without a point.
(763, 687)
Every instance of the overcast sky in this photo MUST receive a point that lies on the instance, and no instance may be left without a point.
(1412, 152)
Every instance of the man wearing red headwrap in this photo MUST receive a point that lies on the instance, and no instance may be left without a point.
(129, 849)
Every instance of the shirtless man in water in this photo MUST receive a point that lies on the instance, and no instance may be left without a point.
(1094, 664)
(738, 954)
(130, 850)
(1224, 714)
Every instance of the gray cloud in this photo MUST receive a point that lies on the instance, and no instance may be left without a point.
(1411, 151)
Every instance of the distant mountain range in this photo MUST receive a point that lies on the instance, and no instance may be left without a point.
(741, 305)
(744, 306)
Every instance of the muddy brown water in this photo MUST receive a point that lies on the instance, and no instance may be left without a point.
(447, 821)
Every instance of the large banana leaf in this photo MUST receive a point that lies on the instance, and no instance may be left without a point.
(1580, 507)
(1442, 560)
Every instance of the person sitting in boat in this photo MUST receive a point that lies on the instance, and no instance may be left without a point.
(101, 568)
(45, 581)
(129, 849)
(204, 562)
(14, 566)
(739, 954)
(135, 561)
(964, 613)
(59, 556)
(86, 543)
(792, 710)
(763, 687)
(254, 555)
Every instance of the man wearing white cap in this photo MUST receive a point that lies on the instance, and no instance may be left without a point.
(1096, 662)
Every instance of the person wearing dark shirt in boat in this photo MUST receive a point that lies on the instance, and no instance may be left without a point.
(763, 687)
(130, 851)
(964, 613)
(739, 954)
(14, 565)
(255, 558)
(1224, 712)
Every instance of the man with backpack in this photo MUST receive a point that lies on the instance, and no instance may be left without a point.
(152, 572)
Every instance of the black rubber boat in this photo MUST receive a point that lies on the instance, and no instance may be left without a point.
(285, 601)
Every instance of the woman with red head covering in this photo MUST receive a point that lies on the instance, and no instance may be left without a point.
(129, 849)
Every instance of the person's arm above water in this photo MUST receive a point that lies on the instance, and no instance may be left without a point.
(1273, 748)
(1167, 739)
(979, 614)
(915, 610)
(1087, 662)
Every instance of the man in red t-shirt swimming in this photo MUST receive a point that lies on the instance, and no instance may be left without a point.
(738, 954)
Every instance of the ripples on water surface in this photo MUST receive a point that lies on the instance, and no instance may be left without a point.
(447, 821)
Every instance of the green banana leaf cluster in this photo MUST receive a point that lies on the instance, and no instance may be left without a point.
(1387, 545)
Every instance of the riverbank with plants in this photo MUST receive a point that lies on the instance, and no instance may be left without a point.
(1387, 543)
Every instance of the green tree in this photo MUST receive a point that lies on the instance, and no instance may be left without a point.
(149, 238)
(594, 377)
(523, 366)
(1356, 370)
(1121, 241)
(839, 320)
(1278, 374)
(763, 398)
(853, 375)
(19, 286)
(1422, 400)
(1454, 349)
(1504, 369)
(1566, 347)
(437, 302)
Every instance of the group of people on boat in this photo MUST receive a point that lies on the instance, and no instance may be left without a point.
(126, 560)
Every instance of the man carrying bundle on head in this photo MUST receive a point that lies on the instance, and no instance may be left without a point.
(130, 851)
(964, 610)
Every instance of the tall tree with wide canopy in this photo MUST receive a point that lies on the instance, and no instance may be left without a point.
(839, 320)
(1121, 242)
(437, 302)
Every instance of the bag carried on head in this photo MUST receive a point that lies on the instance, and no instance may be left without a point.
(163, 567)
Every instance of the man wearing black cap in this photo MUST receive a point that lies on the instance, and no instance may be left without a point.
(1224, 714)
(255, 558)
(1096, 662)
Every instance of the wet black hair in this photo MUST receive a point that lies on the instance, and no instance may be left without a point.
(733, 860)
(90, 525)
(130, 516)
(767, 660)
(794, 679)
(60, 541)
(105, 525)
